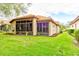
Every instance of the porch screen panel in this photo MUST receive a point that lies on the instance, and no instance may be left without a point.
(18, 26)
(42, 27)
(23, 26)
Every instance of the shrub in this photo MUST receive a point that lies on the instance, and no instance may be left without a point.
(70, 31)
(77, 35)
(7, 33)
(61, 31)
(6, 27)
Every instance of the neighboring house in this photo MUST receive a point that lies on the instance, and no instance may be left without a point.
(75, 23)
(35, 25)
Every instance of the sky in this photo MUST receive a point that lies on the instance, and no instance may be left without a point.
(62, 12)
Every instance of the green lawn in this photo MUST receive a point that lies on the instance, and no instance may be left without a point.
(37, 45)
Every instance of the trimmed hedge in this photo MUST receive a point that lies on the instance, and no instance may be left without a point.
(70, 31)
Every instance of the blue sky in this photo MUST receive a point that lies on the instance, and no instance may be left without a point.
(62, 12)
(62, 17)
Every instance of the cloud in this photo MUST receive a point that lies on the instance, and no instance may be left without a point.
(49, 1)
(63, 11)
(55, 7)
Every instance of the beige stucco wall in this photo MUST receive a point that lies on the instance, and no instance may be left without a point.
(52, 29)
(34, 26)
(14, 26)
(58, 29)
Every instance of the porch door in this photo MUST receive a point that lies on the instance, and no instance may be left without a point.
(42, 28)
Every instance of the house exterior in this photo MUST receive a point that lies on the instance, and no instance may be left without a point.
(75, 23)
(35, 25)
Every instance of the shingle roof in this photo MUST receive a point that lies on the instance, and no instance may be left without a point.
(76, 19)
(39, 17)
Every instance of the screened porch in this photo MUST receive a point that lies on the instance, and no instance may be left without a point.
(23, 27)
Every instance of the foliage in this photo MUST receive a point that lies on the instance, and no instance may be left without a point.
(6, 27)
(77, 35)
(10, 9)
(70, 31)
(61, 31)
(9, 33)
(62, 27)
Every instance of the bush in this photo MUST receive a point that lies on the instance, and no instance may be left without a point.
(77, 35)
(61, 31)
(6, 27)
(7, 33)
(70, 31)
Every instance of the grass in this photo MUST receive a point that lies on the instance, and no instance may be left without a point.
(15, 45)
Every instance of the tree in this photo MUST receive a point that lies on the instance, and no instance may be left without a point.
(13, 9)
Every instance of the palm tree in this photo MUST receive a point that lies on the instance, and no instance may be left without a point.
(13, 9)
